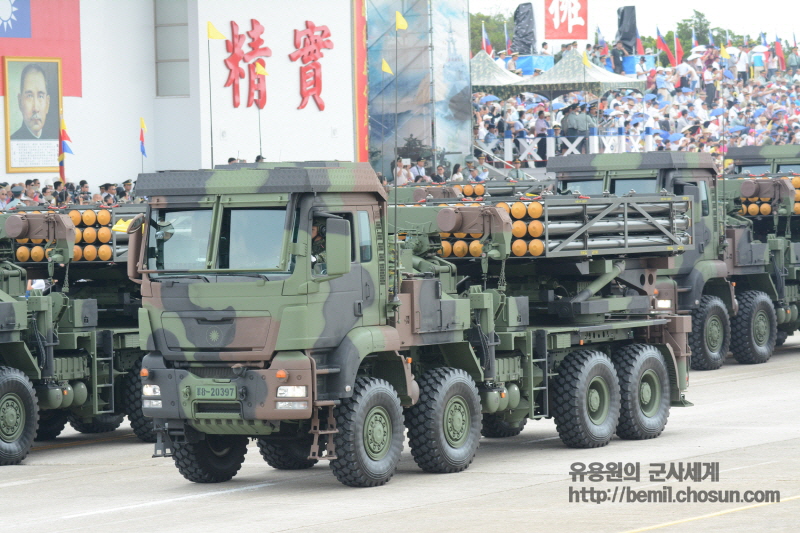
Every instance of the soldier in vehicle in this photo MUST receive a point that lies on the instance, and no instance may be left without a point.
(318, 255)
(516, 174)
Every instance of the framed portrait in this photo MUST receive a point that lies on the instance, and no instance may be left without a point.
(32, 109)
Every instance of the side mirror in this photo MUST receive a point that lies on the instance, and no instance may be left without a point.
(337, 246)
(135, 247)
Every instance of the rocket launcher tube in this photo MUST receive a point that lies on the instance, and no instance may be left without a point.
(617, 268)
(56, 230)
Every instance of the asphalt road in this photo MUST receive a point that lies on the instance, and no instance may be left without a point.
(745, 418)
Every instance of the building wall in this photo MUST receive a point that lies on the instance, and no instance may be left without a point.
(117, 44)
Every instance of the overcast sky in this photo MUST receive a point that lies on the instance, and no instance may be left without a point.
(743, 17)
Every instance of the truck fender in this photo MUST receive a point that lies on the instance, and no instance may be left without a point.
(357, 345)
(703, 273)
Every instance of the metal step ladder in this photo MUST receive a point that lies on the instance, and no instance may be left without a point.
(540, 348)
(104, 356)
(316, 431)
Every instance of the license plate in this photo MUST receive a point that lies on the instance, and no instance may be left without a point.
(215, 392)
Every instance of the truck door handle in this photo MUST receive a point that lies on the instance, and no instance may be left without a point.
(359, 308)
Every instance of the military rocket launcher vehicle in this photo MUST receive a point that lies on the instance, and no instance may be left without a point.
(57, 363)
(297, 307)
(740, 282)
(90, 352)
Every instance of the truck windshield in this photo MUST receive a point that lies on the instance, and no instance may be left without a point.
(587, 187)
(178, 239)
(640, 185)
(252, 239)
(756, 170)
(249, 239)
(789, 168)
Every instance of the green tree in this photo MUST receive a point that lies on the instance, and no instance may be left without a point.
(494, 29)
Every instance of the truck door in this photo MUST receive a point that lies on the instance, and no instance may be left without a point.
(338, 304)
(367, 224)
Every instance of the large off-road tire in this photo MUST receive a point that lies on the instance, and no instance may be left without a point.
(287, 454)
(586, 399)
(19, 415)
(780, 339)
(132, 390)
(215, 459)
(710, 337)
(51, 424)
(494, 427)
(97, 424)
(444, 425)
(370, 436)
(644, 390)
(755, 328)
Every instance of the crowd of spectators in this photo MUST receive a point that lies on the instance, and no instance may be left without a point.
(32, 193)
(705, 104)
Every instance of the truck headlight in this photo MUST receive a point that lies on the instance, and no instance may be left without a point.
(152, 404)
(291, 405)
(292, 391)
(664, 304)
(151, 390)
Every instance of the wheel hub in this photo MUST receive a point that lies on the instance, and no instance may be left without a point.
(598, 400)
(12, 417)
(761, 328)
(377, 433)
(456, 421)
(714, 333)
(649, 393)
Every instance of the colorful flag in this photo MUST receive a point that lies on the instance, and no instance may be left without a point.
(602, 42)
(710, 37)
(508, 41)
(723, 53)
(63, 148)
(586, 59)
(727, 38)
(142, 130)
(260, 70)
(662, 45)
(678, 50)
(386, 68)
(779, 53)
(214, 33)
(794, 40)
(639, 47)
(694, 39)
(400, 22)
(485, 43)
(764, 39)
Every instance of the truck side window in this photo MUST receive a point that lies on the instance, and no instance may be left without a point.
(703, 186)
(364, 237)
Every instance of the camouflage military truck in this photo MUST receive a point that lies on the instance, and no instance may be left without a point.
(84, 365)
(249, 334)
(739, 282)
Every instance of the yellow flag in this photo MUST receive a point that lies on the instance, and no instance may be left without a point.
(122, 226)
(213, 33)
(586, 60)
(386, 68)
(399, 22)
(260, 69)
(142, 124)
(723, 53)
(63, 125)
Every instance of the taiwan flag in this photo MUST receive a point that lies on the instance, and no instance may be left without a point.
(678, 50)
(662, 45)
(779, 53)
(485, 43)
(639, 47)
(694, 39)
(602, 42)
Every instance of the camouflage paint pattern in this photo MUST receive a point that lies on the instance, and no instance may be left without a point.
(233, 329)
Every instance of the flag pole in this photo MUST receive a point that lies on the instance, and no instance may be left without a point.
(260, 147)
(396, 296)
(210, 110)
(396, 67)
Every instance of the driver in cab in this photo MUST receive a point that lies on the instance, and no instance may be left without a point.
(318, 256)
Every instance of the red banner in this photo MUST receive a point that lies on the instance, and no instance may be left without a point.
(566, 19)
